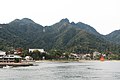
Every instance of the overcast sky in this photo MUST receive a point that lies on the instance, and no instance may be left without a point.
(103, 15)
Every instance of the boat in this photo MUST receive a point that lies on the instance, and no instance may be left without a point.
(7, 67)
(6, 61)
(29, 60)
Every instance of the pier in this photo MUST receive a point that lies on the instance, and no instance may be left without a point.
(16, 64)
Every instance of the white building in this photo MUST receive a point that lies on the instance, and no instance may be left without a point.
(2, 53)
(10, 58)
(96, 53)
(41, 50)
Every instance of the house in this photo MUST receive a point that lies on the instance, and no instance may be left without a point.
(18, 51)
(40, 50)
(74, 56)
(96, 55)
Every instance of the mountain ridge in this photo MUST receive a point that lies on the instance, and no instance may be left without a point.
(63, 35)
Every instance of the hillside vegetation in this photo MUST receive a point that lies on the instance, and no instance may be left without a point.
(63, 35)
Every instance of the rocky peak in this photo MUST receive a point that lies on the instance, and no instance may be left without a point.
(65, 20)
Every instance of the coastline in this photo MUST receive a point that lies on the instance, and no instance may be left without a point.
(65, 61)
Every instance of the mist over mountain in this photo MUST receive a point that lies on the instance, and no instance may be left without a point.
(63, 35)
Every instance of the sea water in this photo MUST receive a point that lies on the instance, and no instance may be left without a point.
(85, 70)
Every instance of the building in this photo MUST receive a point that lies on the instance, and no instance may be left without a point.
(2, 53)
(18, 51)
(96, 55)
(9, 58)
(40, 50)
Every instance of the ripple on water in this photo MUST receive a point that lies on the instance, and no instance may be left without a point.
(64, 71)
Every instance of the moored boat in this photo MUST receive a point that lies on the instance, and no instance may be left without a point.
(6, 67)
(12, 60)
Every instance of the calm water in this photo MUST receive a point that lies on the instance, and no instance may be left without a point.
(64, 71)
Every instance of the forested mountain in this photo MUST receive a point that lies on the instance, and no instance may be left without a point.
(114, 36)
(63, 35)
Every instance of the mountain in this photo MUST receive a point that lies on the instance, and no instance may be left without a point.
(20, 33)
(69, 35)
(87, 28)
(63, 35)
(114, 36)
(23, 21)
(75, 37)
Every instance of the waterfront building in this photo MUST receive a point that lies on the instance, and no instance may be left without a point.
(18, 51)
(9, 58)
(2, 53)
(96, 55)
(40, 50)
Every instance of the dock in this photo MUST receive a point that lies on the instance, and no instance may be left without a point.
(16, 64)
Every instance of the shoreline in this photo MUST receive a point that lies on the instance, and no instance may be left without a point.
(65, 61)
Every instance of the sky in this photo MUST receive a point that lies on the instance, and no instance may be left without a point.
(103, 15)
